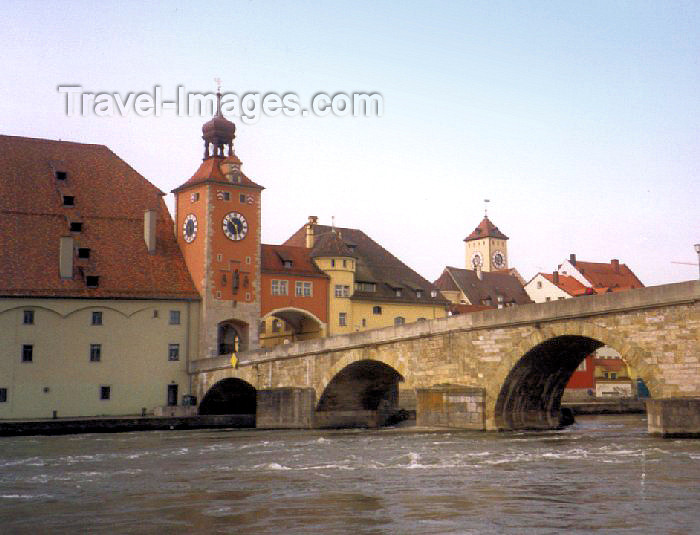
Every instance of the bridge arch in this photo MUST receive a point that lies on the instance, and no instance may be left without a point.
(530, 381)
(355, 356)
(229, 396)
(305, 325)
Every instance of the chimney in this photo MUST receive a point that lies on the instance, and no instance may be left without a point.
(572, 259)
(616, 265)
(310, 231)
(149, 230)
(479, 273)
(65, 257)
(555, 277)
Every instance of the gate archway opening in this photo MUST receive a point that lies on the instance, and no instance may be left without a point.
(363, 394)
(530, 397)
(230, 396)
(232, 337)
(288, 325)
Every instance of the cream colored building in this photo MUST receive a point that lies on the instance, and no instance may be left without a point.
(94, 357)
(98, 313)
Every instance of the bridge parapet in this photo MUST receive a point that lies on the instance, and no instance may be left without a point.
(532, 314)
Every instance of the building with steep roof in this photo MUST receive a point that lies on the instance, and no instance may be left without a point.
(601, 276)
(369, 287)
(486, 247)
(93, 287)
(473, 290)
(487, 282)
(545, 287)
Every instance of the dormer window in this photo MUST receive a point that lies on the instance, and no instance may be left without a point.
(287, 263)
(399, 292)
(419, 293)
(76, 226)
(83, 252)
(92, 281)
(68, 200)
(61, 175)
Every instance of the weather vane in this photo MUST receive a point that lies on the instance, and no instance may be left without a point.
(486, 207)
(218, 84)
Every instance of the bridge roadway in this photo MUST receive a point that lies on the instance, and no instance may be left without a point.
(511, 365)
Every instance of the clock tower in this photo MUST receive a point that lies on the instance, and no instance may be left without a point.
(217, 224)
(487, 247)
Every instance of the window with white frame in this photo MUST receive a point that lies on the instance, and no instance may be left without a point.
(280, 287)
(173, 351)
(303, 289)
(342, 290)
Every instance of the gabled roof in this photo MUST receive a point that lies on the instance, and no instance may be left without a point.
(110, 201)
(568, 284)
(377, 265)
(486, 229)
(484, 291)
(210, 172)
(275, 256)
(613, 276)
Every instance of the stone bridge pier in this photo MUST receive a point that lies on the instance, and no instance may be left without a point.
(493, 370)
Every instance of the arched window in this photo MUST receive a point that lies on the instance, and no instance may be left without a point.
(399, 320)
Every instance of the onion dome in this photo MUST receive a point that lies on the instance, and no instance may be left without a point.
(218, 133)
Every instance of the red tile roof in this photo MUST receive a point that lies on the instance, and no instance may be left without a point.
(110, 201)
(614, 275)
(274, 256)
(210, 171)
(486, 229)
(568, 284)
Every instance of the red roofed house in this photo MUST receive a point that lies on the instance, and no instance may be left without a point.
(93, 288)
(574, 278)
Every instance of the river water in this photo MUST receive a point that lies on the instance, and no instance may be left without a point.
(602, 475)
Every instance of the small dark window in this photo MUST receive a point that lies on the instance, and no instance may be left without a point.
(83, 252)
(377, 310)
(227, 196)
(95, 352)
(27, 353)
(173, 351)
(76, 226)
(92, 281)
(97, 318)
(3, 395)
(287, 263)
(155, 313)
(241, 197)
(174, 317)
(68, 200)
(261, 328)
(29, 317)
(105, 392)
(61, 175)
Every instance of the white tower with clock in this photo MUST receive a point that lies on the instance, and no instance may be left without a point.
(217, 222)
(486, 248)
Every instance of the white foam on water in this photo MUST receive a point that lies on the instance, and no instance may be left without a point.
(25, 496)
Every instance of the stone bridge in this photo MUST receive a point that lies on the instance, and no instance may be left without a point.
(496, 369)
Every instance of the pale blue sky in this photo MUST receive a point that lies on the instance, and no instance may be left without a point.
(578, 120)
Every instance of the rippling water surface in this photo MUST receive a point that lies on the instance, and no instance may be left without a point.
(603, 475)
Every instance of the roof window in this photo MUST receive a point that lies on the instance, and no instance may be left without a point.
(61, 175)
(92, 281)
(83, 252)
(68, 200)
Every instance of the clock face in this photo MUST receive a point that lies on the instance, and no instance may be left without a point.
(476, 260)
(235, 226)
(499, 260)
(189, 228)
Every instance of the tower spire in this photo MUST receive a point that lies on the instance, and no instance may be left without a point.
(218, 132)
(486, 207)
